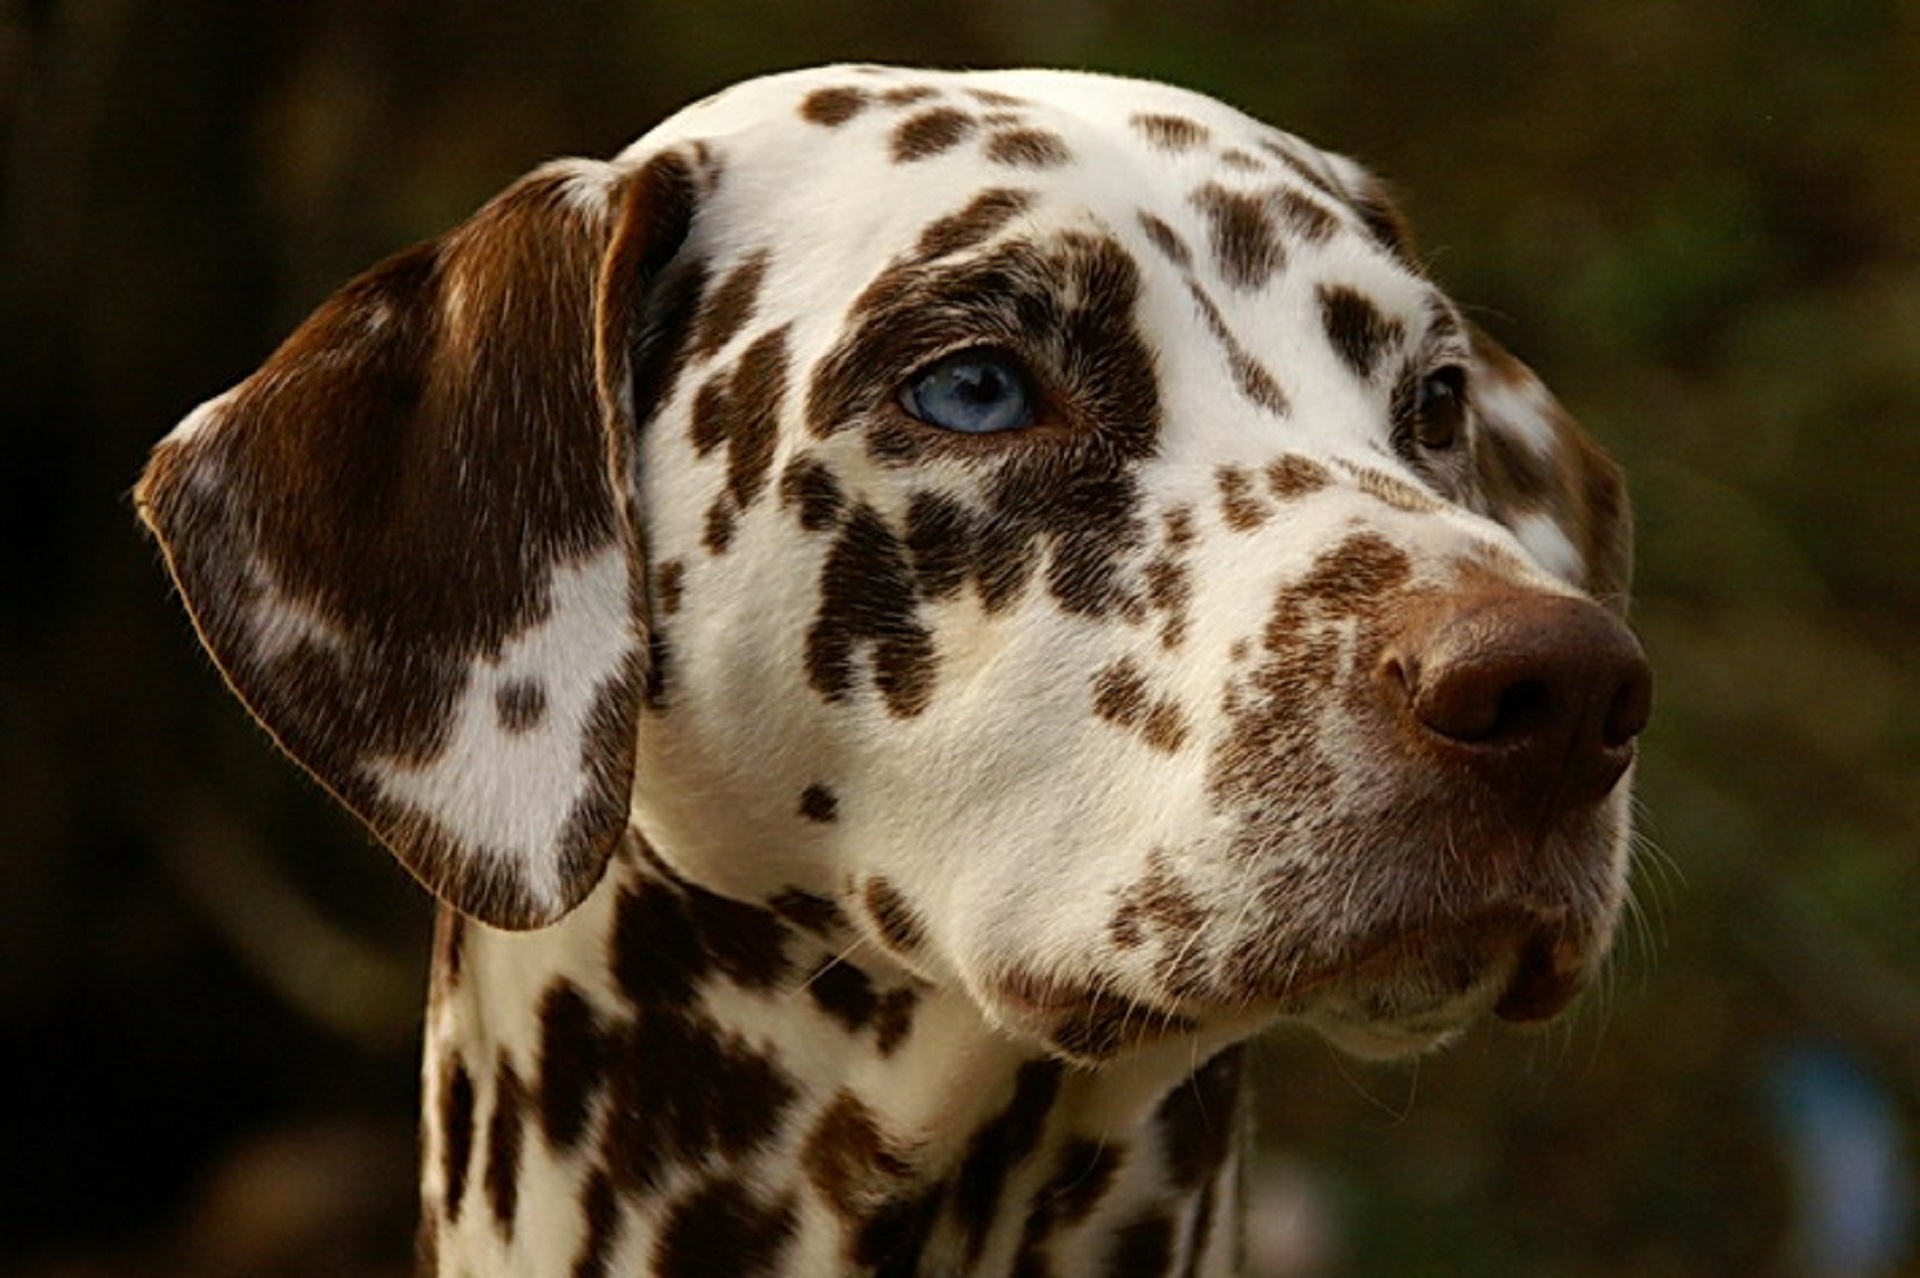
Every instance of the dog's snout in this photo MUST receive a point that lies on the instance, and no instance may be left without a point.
(1541, 696)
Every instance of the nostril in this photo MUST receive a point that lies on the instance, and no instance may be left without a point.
(1522, 709)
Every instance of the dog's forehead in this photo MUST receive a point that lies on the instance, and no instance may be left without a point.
(862, 158)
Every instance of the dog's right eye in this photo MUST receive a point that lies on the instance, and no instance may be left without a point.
(973, 392)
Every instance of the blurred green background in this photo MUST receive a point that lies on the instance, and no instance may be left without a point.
(1701, 222)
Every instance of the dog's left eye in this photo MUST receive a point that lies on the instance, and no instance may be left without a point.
(974, 392)
(1440, 412)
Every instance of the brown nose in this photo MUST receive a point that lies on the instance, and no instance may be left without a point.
(1541, 696)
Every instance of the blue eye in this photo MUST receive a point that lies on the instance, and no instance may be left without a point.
(974, 392)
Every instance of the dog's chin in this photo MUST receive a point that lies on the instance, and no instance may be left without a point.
(1415, 995)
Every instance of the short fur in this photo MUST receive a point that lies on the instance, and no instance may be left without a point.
(863, 846)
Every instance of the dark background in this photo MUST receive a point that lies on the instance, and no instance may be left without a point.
(1701, 221)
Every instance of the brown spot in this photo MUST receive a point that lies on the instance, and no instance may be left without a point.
(868, 601)
(845, 993)
(1170, 591)
(1120, 696)
(718, 530)
(1359, 573)
(1028, 148)
(1241, 161)
(1167, 240)
(1173, 133)
(833, 107)
(456, 1132)
(1250, 376)
(816, 914)
(893, 1019)
(1396, 493)
(725, 310)
(1240, 229)
(819, 804)
(601, 1208)
(1360, 334)
(808, 486)
(898, 923)
(975, 224)
(940, 541)
(929, 133)
(999, 1149)
(667, 939)
(504, 1132)
(573, 1062)
(995, 98)
(1240, 503)
(1307, 218)
(1293, 477)
(520, 705)
(908, 94)
(721, 1228)
(1157, 903)
(741, 409)
(670, 579)
(1200, 1121)
(727, 1099)
(850, 1161)
(1179, 525)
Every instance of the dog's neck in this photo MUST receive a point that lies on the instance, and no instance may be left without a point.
(671, 1082)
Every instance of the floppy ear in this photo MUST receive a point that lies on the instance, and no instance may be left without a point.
(1546, 480)
(408, 539)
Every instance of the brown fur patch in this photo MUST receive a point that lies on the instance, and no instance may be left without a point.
(808, 487)
(919, 137)
(719, 1227)
(898, 923)
(726, 309)
(456, 1129)
(977, 223)
(1167, 240)
(819, 804)
(519, 705)
(833, 107)
(573, 1062)
(504, 1132)
(1121, 696)
(1173, 133)
(1294, 476)
(1249, 374)
(1247, 249)
(851, 1161)
(1360, 334)
(1028, 148)
(1240, 503)
(868, 603)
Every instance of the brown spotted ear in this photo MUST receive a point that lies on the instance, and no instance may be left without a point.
(1540, 475)
(408, 539)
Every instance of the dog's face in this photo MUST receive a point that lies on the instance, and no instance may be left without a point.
(1052, 518)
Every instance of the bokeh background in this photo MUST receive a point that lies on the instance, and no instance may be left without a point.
(1700, 220)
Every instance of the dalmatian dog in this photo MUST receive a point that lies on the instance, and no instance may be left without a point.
(903, 617)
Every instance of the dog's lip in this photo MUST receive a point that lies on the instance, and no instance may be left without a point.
(1521, 962)
(1548, 972)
